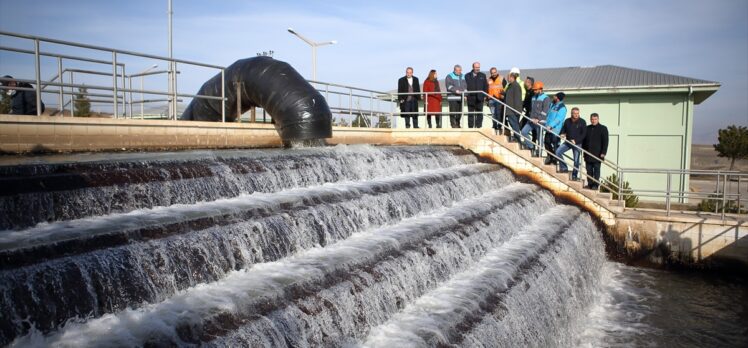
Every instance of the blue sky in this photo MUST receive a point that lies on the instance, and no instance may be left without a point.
(377, 39)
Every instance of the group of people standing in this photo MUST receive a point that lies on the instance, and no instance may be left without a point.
(510, 97)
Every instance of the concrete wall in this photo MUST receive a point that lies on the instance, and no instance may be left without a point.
(691, 240)
(19, 134)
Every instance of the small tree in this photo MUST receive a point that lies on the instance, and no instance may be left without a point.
(4, 102)
(631, 200)
(82, 105)
(733, 143)
(713, 204)
(359, 121)
(384, 122)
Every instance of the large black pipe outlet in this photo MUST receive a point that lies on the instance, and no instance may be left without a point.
(298, 110)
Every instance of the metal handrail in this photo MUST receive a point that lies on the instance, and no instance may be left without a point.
(616, 188)
(115, 88)
(610, 186)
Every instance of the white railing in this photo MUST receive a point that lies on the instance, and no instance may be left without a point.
(118, 88)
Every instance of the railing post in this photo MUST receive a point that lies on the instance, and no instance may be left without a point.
(667, 195)
(426, 105)
(37, 69)
(503, 121)
(350, 103)
(238, 102)
(462, 107)
(724, 196)
(716, 190)
(739, 177)
(114, 82)
(371, 109)
(223, 95)
(174, 90)
(620, 188)
(124, 94)
(129, 86)
(72, 95)
(61, 97)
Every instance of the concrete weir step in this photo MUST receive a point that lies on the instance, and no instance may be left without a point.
(603, 203)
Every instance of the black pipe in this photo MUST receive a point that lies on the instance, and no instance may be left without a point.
(299, 111)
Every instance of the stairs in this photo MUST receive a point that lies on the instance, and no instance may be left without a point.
(605, 199)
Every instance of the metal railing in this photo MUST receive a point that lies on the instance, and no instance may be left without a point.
(118, 73)
(668, 193)
(349, 103)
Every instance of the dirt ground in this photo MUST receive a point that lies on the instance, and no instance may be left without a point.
(704, 157)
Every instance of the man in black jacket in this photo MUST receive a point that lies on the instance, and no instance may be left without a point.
(596, 143)
(513, 99)
(409, 102)
(22, 102)
(476, 82)
(527, 106)
(575, 130)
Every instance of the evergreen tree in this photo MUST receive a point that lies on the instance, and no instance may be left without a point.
(733, 143)
(4, 102)
(82, 105)
(384, 122)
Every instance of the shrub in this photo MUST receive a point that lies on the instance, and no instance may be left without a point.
(631, 200)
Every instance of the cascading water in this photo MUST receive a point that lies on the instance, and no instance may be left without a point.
(341, 246)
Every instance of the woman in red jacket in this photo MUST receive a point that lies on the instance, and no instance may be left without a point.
(434, 100)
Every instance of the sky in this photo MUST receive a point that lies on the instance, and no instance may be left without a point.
(378, 39)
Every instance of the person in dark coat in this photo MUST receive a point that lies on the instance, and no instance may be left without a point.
(575, 130)
(527, 105)
(596, 143)
(22, 102)
(513, 100)
(409, 103)
(476, 81)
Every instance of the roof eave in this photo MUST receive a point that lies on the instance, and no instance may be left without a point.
(701, 91)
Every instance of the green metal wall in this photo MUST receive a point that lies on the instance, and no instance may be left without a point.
(650, 131)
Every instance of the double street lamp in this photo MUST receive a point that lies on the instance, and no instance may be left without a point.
(314, 50)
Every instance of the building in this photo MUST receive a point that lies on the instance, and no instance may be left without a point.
(649, 114)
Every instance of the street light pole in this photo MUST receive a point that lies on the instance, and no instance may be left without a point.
(314, 46)
(172, 102)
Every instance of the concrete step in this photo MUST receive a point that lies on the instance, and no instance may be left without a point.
(614, 202)
(605, 195)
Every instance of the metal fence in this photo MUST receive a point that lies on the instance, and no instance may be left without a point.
(121, 91)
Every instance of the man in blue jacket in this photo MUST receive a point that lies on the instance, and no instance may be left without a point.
(456, 85)
(556, 116)
(575, 130)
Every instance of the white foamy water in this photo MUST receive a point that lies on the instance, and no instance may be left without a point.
(335, 247)
(264, 282)
(90, 227)
(429, 320)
